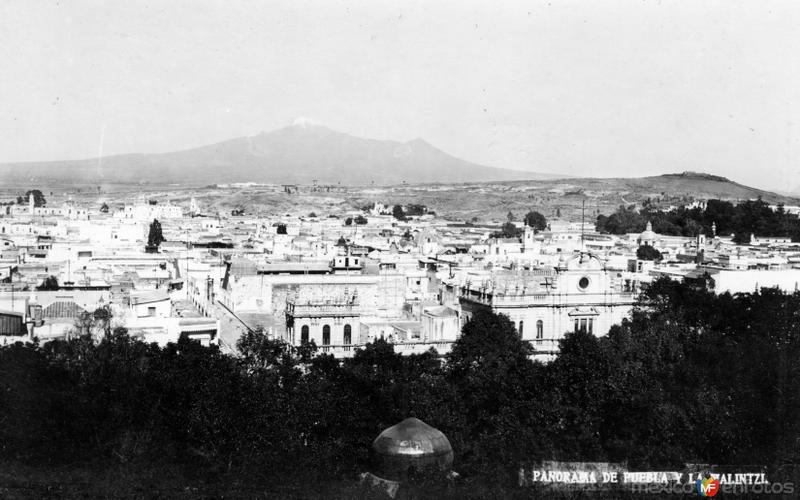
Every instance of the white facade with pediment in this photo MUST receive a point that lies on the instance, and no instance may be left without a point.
(545, 304)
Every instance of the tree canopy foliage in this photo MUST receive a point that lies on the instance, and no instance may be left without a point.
(38, 198)
(155, 237)
(398, 213)
(535, 220)
(646, 252)
(749, 217)
(49, 283)
(415, 209)
(507, 230)
(690, 377)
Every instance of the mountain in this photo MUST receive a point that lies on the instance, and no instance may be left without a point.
(572, 198)
(300, 153)
(695, 184)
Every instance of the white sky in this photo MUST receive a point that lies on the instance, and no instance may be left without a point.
(607, 88)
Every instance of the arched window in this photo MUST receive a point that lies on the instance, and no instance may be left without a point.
(520, 328)
(304, 334)
(348, 337)
(326, 335)
(539, 329)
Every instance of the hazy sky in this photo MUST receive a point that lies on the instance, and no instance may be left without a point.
(607, 88)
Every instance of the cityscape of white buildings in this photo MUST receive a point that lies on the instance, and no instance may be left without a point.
(411, 282)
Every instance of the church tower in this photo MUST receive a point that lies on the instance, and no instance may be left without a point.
(529, 241)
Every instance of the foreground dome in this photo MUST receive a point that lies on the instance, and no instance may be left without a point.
(411, 443)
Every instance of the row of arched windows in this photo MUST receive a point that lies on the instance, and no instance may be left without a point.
(539, 328)
(347, 338)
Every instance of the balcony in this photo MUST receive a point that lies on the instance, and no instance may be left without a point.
(501, 299)
(321, 309)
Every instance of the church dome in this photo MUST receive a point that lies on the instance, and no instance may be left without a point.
(411, 443)
(648, 234)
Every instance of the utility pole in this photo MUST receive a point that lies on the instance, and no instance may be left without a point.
(186, 278)
(583, 215)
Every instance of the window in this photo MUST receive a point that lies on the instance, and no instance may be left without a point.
(304, 334)
(584, 325)
(151, 311)
(583, 283)
(520, 328)
(326, 335)
(539, 329)
(348, 337)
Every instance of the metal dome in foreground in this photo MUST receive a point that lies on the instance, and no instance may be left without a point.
(411, 443)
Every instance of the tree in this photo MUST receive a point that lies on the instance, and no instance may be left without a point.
(398, 213)
(360, 220)
(415, 209)
(259, 353)
(507, 230)
(646, 252)
(281, 229)
(104, 208)
(348, 221)
(102, 319)
(535, 220)
(510, 217)
(97, 321)
(624, 220)
(497, 395)
(49, 283)
(487, 340)
(38, 198)
(155, 237)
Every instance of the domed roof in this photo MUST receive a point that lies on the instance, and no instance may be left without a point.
(648, 234)
(412, 442)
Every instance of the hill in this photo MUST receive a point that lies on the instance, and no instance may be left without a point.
(570, 198)
(300, 153)
(695, 185)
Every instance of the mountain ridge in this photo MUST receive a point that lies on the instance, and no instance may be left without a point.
(299, 153)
